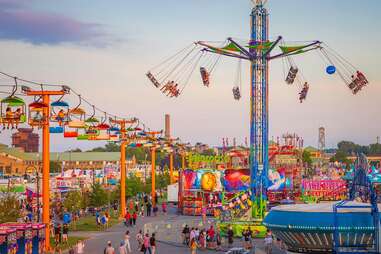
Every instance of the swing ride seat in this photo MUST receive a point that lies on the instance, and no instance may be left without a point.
(291, 75)
(56, 130)
(236, 93)
(204, 76)
(153, 79)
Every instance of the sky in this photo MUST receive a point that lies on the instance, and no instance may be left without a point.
(102, 49)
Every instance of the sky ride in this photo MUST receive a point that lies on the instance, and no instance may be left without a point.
(173, 75)
(58, 117)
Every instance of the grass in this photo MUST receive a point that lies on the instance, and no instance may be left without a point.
(88, 223)
(72, 241)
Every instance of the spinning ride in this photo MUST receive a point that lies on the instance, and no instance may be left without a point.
(172, 76)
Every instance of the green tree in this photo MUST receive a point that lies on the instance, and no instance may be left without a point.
(340, 156)
(55, 166)
(77, 150)
(73, 201)
(98, 196)
(306, 158)
(133, 186)
(9, 207)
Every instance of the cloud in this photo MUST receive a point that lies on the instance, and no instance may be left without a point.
(17, 23)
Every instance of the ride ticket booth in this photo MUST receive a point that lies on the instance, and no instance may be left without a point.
(23, 236)
(8, 240)
(38, 238)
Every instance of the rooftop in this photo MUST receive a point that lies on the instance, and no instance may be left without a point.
(65, 156)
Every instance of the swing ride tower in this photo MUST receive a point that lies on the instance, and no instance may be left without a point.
(171, 78)
(259, 121)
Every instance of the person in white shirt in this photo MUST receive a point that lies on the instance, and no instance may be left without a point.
(80, 247)
(268, 242)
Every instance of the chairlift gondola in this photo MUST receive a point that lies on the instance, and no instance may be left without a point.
(59, 112)
(37, 117)
(13, 111)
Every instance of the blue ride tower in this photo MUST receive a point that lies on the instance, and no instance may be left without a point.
(259, 121)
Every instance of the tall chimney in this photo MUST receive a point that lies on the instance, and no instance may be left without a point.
(167, 126)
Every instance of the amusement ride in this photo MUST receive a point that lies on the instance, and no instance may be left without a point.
(173, 75)
(50, 111)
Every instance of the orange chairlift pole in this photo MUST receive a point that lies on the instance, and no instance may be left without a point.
(171, 167)
(152, 135)
(46, 160)
(123, 133)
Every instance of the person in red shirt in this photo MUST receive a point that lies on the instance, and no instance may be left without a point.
(134, 217)
(127, 217)
(164, 207)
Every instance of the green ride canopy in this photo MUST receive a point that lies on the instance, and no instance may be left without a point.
(262, 45)
(293, 49)
(231, 47)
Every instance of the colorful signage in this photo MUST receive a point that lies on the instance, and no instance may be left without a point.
(198, 158)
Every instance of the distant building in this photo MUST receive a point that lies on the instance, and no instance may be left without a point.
(14, 161)
(26, 140)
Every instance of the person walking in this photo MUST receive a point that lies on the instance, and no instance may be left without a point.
(122, 248)
(127, 241)
(140, 240)
(230, 236)
(152, 242)
(109, 249)
(80, 247)
(142, 210)
(193, 246)
(134, 217)
(127, 218)
(164, 207)
(149, 209)
(65, 233)
(203, 212)
(146, 244)
(268, 242)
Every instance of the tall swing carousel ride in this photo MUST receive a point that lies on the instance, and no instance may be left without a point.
(173, 75)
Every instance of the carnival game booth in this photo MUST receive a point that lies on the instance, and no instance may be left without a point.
(310, 228)
(325, 190)
(8, 240)
(24, 236)
(200, 188)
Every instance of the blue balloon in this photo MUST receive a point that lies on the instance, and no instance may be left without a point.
(66, 218)
(331, 69)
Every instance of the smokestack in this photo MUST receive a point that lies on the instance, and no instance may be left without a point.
(167, 126)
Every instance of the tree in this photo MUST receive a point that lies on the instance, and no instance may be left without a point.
(98, 196)
(306, 158)
(9, 207)
(55, 166)
(340, 156)
(77, 150)
(73, 201)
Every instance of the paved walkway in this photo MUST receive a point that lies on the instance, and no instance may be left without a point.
(168, 234)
